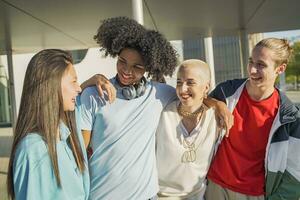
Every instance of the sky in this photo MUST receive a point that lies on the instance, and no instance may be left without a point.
(293, 34)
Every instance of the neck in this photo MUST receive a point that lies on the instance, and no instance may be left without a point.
(190, 112)
(259, 93)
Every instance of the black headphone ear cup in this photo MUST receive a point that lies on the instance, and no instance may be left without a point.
(129, 92)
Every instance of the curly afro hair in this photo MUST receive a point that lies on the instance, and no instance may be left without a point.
(115, 34)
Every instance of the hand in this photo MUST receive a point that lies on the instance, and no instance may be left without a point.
(224, 117)
(102, 84)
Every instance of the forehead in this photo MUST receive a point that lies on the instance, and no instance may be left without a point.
(189, 72)
(263, 54)
(70, 71)
(131, 55)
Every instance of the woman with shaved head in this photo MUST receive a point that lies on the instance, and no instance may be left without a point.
(186, 135)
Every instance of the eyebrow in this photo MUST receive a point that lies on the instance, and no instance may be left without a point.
(142, 65)
(189, 79)
(259, 61)
(121, 58)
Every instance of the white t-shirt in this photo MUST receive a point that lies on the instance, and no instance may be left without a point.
(184, 179)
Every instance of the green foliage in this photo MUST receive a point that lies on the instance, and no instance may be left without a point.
(293, 68)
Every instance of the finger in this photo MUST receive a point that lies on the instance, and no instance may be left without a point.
(226, 132)
(231, 121)
(226, 126)
(114, 92)
(109, 92)
(100, 91)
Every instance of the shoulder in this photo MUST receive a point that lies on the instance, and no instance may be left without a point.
(31, 148)
(231, 85)
(209, 114)
(163, 89)
(172, 106)
(90, 96)
(90, 91)
(227, 88)
(162, 86)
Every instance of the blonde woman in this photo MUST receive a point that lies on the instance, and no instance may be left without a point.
(186, 136)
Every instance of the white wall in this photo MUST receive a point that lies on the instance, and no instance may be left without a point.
(93, 63)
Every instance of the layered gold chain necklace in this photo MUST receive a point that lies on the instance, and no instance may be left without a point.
(190, 155)
(184, 113)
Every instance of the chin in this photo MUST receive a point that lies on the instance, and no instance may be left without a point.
(186, 103)
(69, 108)
(125, 83)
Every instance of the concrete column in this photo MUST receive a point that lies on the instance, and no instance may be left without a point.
(137, 11)
(209, 57)
(244, 52)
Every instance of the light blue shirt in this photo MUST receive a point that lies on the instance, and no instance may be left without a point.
(33, 175)
(123, 164)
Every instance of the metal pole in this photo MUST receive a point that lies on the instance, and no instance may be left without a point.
(137, 11)
(209, 57)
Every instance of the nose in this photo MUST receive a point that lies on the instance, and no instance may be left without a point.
(127, 69)
(184, 87)
(78, 88)
(252, 68)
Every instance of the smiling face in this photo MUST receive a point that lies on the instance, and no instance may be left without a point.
(130, 67)
(191, 86)
(262, 68)
(70, 88)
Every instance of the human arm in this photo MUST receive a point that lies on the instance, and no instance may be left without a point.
(286, 185)
(102, 84)
(89, 104)
(86, 134)
(288, 188)
(223, 115)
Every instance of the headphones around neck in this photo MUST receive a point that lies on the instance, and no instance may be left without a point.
(132, 91)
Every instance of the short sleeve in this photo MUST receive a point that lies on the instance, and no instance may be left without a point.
(88, 108)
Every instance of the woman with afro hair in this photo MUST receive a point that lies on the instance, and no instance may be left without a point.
(121, 135)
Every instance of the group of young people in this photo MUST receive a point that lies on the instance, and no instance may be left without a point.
(148, 140)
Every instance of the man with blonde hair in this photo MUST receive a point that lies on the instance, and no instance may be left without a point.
(261, 157)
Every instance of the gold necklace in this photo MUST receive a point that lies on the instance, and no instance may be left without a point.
(184, 113)
(190, 155)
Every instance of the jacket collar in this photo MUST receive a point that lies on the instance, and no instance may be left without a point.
(288, 111)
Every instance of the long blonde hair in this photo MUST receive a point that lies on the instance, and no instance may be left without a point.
(41, 109)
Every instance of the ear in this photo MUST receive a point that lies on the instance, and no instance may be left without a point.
(207, 88)
(281, 68)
